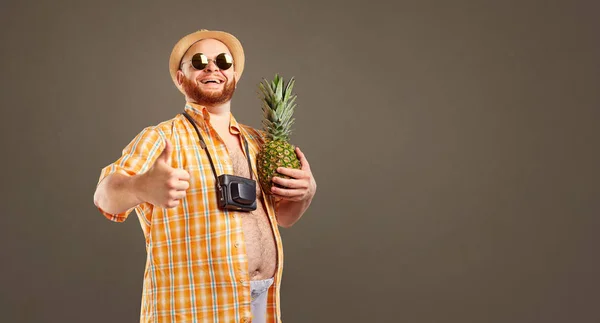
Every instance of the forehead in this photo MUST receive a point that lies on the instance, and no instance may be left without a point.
(210, 47)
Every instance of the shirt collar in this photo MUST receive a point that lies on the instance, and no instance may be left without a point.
(198, 112)
(234, 126)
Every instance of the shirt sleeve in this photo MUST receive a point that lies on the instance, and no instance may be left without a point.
(136, 158)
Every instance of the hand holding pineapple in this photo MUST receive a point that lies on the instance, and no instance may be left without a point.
(300, 184)
(283, 170)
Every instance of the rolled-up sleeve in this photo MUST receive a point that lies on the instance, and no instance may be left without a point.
(136, 158)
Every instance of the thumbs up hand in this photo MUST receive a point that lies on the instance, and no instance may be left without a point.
(163, 185)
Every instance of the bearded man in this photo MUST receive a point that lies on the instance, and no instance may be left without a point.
(205, 263)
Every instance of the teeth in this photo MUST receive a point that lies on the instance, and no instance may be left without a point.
(216, 81)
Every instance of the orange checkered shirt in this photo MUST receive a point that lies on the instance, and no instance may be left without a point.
(196, 268)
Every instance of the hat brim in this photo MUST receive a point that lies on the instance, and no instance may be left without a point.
(181, 47)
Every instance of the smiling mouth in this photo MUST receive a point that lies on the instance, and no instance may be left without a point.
(211, 81)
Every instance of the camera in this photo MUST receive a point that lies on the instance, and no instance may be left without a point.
(236, 193)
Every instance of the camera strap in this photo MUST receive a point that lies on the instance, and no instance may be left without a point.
(203, 145)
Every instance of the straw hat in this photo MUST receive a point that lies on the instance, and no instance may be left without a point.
(234, 45)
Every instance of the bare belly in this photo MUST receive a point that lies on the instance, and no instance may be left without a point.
(260, 244)
(258, 235)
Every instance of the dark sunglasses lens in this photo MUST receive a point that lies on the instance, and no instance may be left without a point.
(224, 61)
(199, 61)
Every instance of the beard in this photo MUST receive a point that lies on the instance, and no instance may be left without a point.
(208, 98)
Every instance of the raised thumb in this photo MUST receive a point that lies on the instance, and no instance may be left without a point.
(165, 155)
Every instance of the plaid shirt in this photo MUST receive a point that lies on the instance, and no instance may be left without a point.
(197, 267)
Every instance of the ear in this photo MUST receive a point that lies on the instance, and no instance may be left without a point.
(180, 76)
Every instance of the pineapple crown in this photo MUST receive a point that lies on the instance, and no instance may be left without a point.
(278, 108)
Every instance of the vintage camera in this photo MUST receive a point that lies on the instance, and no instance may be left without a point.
(236, 193)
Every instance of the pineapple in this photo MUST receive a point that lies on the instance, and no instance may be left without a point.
(278, 107)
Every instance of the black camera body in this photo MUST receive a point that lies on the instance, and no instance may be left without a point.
(236, 193)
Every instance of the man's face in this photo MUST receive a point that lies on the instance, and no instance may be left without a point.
(212, 85)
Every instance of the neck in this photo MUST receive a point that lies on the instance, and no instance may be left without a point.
(219, 111)
(219, 115)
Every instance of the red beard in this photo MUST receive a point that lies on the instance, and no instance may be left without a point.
(211, 98)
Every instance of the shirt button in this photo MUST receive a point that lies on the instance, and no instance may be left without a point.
(237, 244)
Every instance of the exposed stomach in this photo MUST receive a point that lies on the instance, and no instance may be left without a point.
(258, 235)
(260, 243)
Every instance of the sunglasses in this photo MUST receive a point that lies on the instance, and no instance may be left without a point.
(199, 61)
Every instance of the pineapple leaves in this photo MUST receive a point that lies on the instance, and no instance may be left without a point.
(278, 107)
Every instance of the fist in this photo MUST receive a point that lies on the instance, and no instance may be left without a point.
(163, 185)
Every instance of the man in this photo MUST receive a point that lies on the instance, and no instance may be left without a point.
(205, 263)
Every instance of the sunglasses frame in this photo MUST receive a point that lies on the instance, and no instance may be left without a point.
(205, 61)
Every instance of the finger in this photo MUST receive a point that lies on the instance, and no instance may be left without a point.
(181, 174)
(181, 185)
(165, 155)
(177, 195)
(291, 172)
(285, 197)
(287, 193)
(280, 198)
(289, 183)
(172, 203)
(303, 160)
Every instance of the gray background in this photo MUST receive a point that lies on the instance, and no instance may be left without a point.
(454, 143)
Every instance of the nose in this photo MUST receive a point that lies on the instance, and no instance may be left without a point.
(211, 66)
